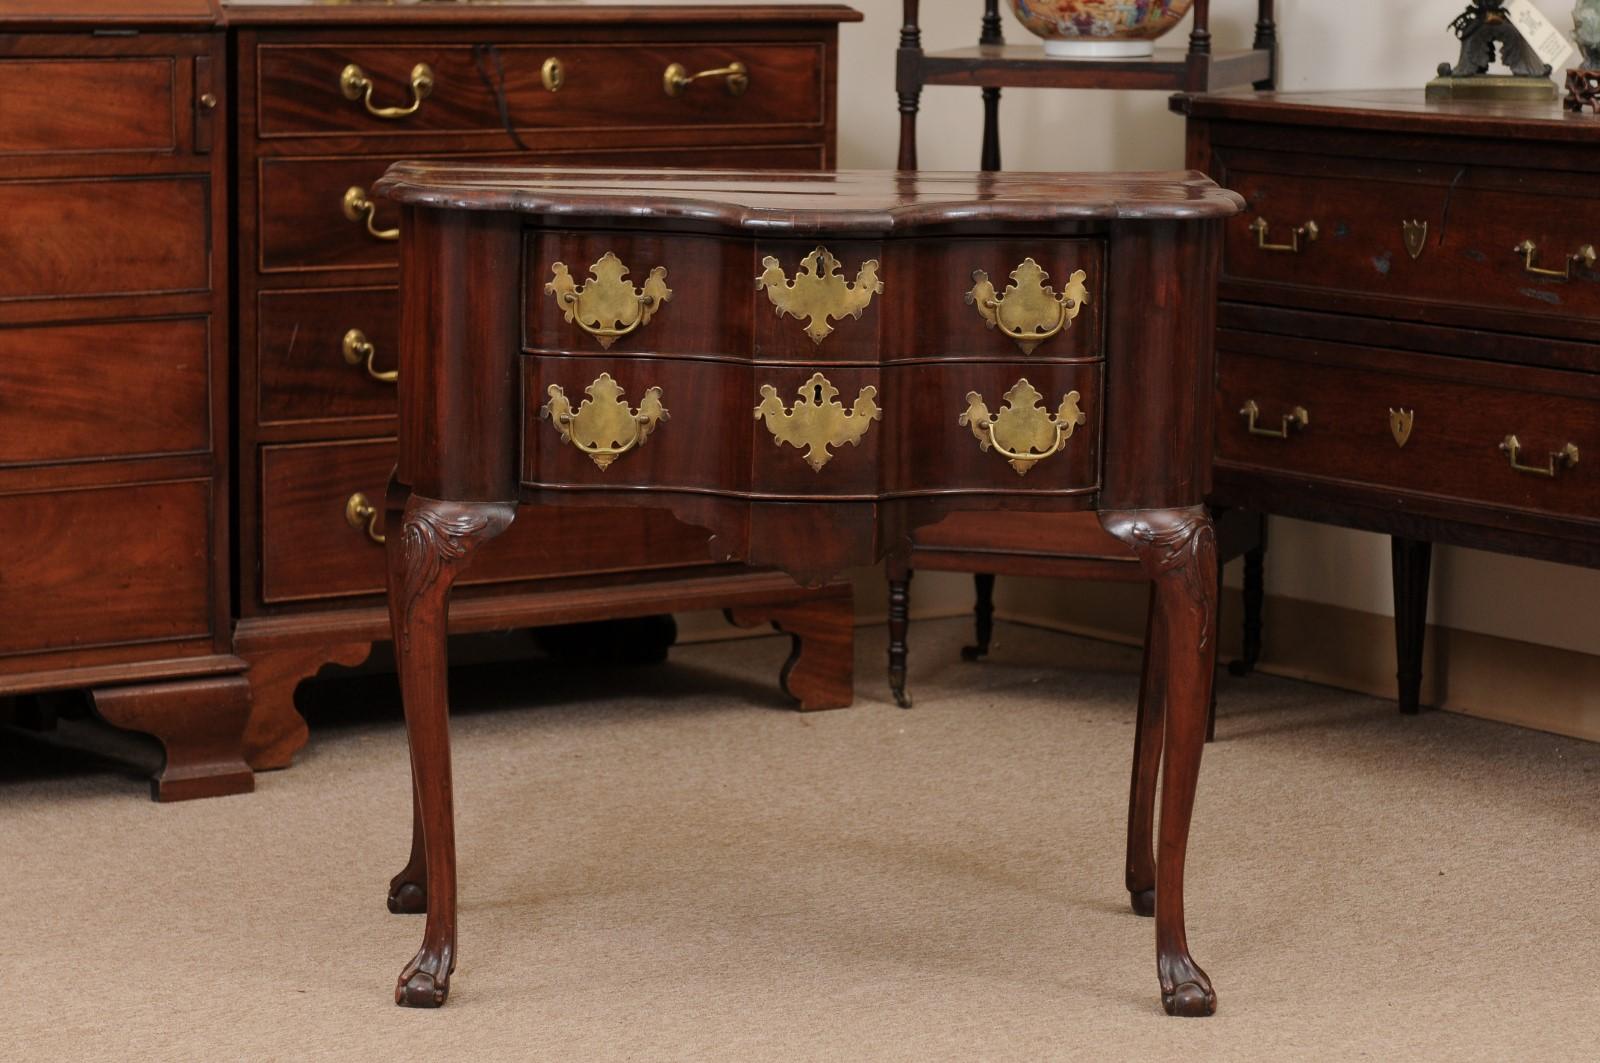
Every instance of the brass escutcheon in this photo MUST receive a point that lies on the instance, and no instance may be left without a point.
(818, 420)
(553, 74)
(606, 306)
(356, 85)
(360, 513)
(1023, 432)
(603, 426)
(1030, 311)
(1416, 236)
(819, 292)
(1400, 425)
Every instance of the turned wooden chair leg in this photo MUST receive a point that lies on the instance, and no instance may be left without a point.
(436, 541)
(1148, 728)
(1255, 597)
(1178, 551)
(982, 617)
(909, 85)
(899, 627)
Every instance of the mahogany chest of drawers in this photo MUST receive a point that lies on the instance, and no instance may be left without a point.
(198, 323)
(1408, 324)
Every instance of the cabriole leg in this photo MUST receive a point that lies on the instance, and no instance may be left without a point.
(436, 542)
(1178, 551)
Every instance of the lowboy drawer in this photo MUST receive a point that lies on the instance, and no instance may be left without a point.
(327, 354)
(386, 89)
(1412, 424)
(317, 539)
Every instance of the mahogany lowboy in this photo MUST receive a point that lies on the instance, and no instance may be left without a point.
(535, 372)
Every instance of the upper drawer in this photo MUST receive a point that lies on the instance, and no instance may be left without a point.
(383, 90)
(1471, 248)
(110, 236)
(64, 106)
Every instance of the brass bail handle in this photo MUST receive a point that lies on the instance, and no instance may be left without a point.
(1014, 456)
(1308, 232)
(1296, 418)
(1530, 250)
(359, 208)
(1564, 458)
(677, 79)
(356, 85)
(358, 349)
(359, 513)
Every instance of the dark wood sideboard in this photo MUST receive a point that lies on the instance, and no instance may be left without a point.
(198, 323)
(1407, 331)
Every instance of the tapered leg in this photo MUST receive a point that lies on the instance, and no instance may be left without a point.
(982, 616)
(436, 542)
(899, 626)
(1412, 561)
(1148, 728)
(1178, 551)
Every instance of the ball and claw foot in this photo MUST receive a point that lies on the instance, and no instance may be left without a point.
(421, 985)
(1185, 990)
(1143, 902)
(407, 897)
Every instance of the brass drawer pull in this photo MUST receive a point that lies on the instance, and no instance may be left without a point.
(360, 513)
(677, 79)
(1296, 418)
(1308, 231)
(1564, 458)
(553, 74)
(1022, 427)
(1029, 311)
(606, 306)
(356, 85)
(358, 207)
(603, 426)
(1528, 250)
(357, 349)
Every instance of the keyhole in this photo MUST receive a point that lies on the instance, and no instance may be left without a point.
(816, 394)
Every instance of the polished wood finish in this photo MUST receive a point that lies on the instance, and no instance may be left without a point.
(475, 243)
(122, 419)
(1451, 330)
(114, 467)
(313, 429)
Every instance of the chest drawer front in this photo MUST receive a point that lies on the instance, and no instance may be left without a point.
(1434, 250)
(1412, 424)
(111, 236)
(66, 106)
(310, 89)
(327, 354)
(315, 543)
(104, 588)
(95, 391)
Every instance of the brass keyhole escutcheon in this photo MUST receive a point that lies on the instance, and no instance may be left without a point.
(553, 74)
(818, 420)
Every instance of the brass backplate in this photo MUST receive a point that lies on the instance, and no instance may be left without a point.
(606, 306)
(603, 426)
(1029, 311)
(1023, 432)
(818, 420)
(819, 291)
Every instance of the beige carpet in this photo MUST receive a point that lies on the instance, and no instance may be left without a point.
(703, 875)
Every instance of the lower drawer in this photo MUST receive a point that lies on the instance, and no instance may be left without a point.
(326, 354)
(1442, 427)
(315, 543)
(105, 566)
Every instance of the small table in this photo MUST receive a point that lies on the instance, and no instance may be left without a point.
(810, 366)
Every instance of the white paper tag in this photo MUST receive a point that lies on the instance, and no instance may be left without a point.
(1540, 33)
